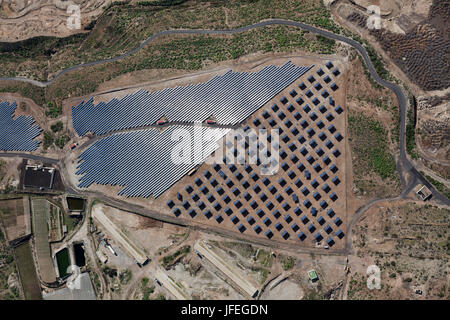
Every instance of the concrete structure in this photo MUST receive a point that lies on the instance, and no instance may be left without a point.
(235, 276)
(171, 285)
(312, 274)
(423, 192)
(83, 290)
(119, 236)
(101, 256)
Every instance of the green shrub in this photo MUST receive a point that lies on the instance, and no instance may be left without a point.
(58, 126)
(49, 138)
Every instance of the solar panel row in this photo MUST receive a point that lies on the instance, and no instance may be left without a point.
(17, 134)
(230, 98)
(141, 161)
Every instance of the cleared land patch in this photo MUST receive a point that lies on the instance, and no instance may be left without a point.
(15, 215)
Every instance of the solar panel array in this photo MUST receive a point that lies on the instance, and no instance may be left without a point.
(18, 134)
(230, 98)
(140, 161)
(292, 204)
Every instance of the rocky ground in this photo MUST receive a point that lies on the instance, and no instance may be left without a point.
(24, 19)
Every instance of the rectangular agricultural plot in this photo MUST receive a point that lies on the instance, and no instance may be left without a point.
(41, 209)
(27, 271)
(304, 201)
(15, 215)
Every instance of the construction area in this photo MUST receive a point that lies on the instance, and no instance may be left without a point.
(204, 250)
(115, 233)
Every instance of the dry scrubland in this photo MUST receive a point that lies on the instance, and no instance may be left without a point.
(415, 38)
(123, 27)
(9, 280)
(24, 19)
(373, 135)
(410, 243)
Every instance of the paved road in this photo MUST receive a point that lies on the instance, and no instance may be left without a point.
(29, 156)
(404, 165)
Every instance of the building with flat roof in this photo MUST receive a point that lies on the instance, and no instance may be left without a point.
(39, 177)
(423, 192)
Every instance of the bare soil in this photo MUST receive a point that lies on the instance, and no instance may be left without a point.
(24, 19)
(408, 241)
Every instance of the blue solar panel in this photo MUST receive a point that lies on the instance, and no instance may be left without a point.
(17, 134)
(139, 161)
(241, 92)
(340, 234)
(301, 236)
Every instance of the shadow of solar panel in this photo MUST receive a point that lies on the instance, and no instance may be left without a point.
(192, 213)
(242, 228)
(207, 214)
(219, 218)
(301, 236)
(228, 211)
(337, 221)
(318, 237)
(269, 234)
(285, 235)
(260, 213)
(17, 134)
(230, 98)
(330, 241)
